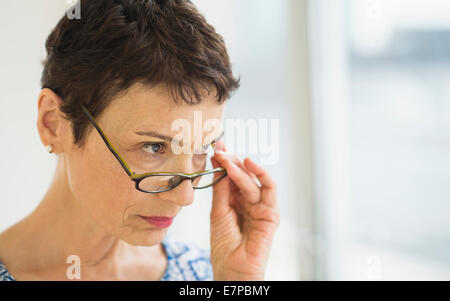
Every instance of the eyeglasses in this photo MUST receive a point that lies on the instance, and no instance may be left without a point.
(156, 182)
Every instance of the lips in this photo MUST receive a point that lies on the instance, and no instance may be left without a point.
(159, 221)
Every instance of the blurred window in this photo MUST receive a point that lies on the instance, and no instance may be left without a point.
(399, 69)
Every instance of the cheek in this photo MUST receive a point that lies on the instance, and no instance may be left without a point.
(101, 187)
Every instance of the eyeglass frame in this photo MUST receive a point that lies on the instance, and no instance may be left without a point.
(137, 178)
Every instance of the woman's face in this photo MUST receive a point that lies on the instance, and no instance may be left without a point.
(98, 181)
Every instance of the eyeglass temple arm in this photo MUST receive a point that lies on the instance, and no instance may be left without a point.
(108, 143)
(213, 143)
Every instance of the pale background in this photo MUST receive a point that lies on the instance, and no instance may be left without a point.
(360, 89)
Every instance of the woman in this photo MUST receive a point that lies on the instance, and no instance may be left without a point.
(116, 86)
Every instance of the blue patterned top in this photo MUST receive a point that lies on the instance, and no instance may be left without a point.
(185, 262)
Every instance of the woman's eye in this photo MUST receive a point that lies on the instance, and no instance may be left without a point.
(154, 148)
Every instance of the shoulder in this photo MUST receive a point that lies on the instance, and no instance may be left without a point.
(4, 274)
(186, 260)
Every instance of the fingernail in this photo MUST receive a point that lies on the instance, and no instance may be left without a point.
(233, 165)
(219, 145)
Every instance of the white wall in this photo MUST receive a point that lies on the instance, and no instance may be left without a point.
(26, 167)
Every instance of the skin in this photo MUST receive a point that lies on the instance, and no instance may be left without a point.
(93, 210)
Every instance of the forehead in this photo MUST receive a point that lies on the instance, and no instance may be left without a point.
(143, 108)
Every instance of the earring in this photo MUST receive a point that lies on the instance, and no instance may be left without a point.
(49, 148)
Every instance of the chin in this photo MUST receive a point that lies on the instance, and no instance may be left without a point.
(144, 237)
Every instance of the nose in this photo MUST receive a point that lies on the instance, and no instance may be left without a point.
(182, 195)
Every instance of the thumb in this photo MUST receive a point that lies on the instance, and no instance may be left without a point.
(221, 195)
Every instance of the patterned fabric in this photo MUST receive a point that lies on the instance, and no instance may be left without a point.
(186, 261)
(4, 275)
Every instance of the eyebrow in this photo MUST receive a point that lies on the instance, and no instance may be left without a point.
(170, 139)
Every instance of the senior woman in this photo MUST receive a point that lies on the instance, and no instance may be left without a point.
(118, 85)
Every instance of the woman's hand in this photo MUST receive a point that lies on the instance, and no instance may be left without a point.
(244, 217)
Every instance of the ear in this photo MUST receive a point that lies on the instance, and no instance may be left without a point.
(50, 122)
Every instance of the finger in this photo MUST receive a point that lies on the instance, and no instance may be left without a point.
(219, 145)
(221, 195)
(215, 165)
(236, 161)
(268, 185)
(222, 150)
(241, 179)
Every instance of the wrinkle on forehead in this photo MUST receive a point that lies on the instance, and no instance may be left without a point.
(152, 109)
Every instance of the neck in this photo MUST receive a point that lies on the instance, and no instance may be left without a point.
(60, 227)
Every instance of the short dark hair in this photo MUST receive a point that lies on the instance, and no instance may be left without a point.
(117, 43)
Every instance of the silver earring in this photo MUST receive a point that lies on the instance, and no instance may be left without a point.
(49, 148)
